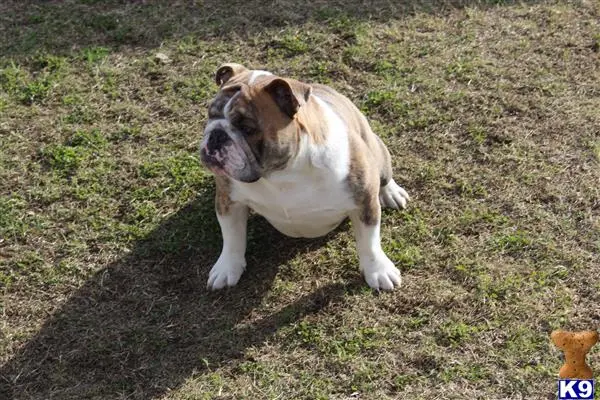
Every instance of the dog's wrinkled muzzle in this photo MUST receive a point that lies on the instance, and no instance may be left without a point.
(228, 153)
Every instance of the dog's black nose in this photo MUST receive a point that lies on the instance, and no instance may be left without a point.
(217, 139)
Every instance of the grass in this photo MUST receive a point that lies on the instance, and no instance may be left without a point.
(107, 227)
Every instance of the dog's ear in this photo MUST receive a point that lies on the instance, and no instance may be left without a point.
(226, 71)
(289, 94)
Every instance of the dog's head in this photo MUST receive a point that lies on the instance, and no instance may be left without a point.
(252, 127)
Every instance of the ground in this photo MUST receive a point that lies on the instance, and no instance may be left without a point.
(491, 111)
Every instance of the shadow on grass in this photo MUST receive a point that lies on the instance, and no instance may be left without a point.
(146, 323)
(62, 26)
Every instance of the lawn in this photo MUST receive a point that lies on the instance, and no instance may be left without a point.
(491, 111)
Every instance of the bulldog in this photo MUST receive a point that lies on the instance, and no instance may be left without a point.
(302, 156)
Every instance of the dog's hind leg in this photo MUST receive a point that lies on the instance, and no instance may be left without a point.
(391, 195)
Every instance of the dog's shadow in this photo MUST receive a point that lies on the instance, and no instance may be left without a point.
(146, 323)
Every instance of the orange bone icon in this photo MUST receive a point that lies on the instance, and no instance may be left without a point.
(575, 345)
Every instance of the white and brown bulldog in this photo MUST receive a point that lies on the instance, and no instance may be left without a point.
(304, 157)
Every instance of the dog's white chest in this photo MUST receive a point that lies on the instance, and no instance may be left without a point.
(298, 204)
(310, 197)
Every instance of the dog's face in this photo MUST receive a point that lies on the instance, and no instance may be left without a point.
(251, 128)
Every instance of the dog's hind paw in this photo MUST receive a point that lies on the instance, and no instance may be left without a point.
(393, 196)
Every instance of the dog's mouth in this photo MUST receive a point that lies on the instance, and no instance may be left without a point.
(223, 159)
(213, 165)
(232, 157)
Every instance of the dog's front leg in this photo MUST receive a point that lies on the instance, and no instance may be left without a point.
(379, 271)
(233, 220)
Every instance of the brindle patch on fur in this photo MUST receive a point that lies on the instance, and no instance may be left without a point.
(362, 183)
(385, 167)
(222, 196)
(217, 105)
(276, 158)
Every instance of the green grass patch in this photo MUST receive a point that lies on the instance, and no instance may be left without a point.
(63, 158)
(292, 44)
(514, 242)
(24, 87)
(505, 288)
(454, 333)
(94, 55)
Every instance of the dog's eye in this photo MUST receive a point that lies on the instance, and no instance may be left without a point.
(247, 129)
(246, 125)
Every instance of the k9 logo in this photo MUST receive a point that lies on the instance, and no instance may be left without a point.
(575, 389)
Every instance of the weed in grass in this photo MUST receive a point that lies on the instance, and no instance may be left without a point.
(529, 343)
(90, 139)
(292, 45)
(11, 78)
(49, 63)
(444, 235)
(307, 333)
(477, 133)
(503, 289)
(514, 242)
(467, 188)
(477, 219)
(462, 70)
(321, 72)
(34, 92)
(125, 133)
(33, 87)
(63, 158)
(25, 89)
(94, 55)
(81, 114)
(11, 219)
(384, 67)
(403, 380)
(386, 103)
(471, 372)
(197, 89)
(418, 319)
(455, 333)
(469, 271)
(180, 170)
(549, 277)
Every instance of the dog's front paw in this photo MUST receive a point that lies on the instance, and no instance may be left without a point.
(393, 196)
(226, 272)
(381, 273)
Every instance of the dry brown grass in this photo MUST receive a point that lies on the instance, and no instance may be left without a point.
(107, 230)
